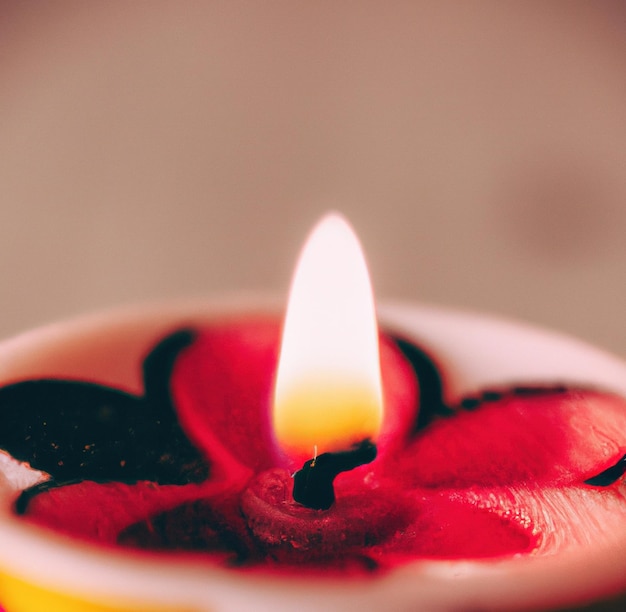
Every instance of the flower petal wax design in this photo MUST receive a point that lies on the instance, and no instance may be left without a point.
(206, 475)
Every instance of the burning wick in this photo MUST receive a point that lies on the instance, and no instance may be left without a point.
(313, 484)
(328, 393)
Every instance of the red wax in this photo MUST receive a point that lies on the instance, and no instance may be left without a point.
(504, 479)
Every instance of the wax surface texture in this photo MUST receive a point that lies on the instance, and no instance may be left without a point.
(493, 478)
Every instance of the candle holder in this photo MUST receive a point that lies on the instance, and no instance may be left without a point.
(40, 569)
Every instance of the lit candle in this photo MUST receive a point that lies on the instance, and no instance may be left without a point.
(513, 500)
(328, 396)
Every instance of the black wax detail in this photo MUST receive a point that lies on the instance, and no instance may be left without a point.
(193, 526)
(430, 385)
(470, 403)
(473, 402)
(313, 484)
(21, 503)
(76, 430)
(25, 497)
(537, 390)
(157, 369)
(431, 397)
(491, 395)
(610, 475)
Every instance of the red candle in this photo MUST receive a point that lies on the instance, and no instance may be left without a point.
(495, 480)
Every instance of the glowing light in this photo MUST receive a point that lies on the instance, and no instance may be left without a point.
(328, 389)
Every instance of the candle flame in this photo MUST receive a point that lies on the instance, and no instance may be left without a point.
(328, 393)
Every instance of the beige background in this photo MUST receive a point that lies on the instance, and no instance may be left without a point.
(155, 149)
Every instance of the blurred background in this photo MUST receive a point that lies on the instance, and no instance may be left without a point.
(151, 150)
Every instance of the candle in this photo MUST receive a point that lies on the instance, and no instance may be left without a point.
(550, 511)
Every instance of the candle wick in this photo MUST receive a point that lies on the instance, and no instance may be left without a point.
(313, 484)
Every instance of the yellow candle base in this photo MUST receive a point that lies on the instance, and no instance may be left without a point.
(19, 596)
